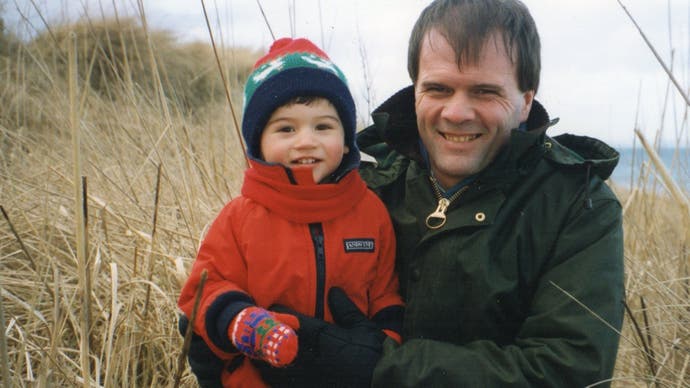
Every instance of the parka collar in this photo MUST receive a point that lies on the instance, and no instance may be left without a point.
(395, 123)
(293, 195)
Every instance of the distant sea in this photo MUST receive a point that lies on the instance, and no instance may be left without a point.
(633, 164)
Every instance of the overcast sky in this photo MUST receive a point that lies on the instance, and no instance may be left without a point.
(598, 76)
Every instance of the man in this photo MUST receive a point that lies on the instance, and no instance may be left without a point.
(509, 243)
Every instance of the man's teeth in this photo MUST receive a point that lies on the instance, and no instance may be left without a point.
(460, 138)
(305, 161)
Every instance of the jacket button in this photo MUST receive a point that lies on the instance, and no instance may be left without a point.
(480, 217)
(416, 274)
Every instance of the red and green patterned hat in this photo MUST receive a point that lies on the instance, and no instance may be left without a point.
(292, 68)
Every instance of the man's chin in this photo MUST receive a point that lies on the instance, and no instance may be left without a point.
(454, 171)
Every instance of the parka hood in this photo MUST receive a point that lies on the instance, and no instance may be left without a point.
(573, 150)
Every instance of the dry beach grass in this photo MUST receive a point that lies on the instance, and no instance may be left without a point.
(117, 148)
(147, 159)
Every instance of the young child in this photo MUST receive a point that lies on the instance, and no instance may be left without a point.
(305, 221)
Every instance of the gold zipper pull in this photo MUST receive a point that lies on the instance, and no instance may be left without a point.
(437, 219)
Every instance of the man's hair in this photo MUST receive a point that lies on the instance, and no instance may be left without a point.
(468, 24)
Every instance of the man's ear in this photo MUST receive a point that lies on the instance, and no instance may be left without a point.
(529, 98)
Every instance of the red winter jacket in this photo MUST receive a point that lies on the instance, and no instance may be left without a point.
(287, 240)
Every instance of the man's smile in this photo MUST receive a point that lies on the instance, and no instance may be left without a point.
(459, 138)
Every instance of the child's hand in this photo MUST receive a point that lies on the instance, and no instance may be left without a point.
(258, 334)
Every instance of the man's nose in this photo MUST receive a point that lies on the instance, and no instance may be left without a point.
(458, 109)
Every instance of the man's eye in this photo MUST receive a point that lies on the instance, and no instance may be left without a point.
(437, 89)
(486, 92)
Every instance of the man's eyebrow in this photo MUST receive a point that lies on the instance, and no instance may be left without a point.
(432, 83)
(488, 86)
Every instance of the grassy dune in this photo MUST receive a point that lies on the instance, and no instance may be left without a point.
(136, 132)
(655, 340)
(117, 148)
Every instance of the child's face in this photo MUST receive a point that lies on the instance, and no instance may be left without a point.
(305, 136)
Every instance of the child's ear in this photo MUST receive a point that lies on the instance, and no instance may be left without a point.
(346, 150)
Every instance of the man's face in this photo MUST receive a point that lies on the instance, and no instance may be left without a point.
(464, 115)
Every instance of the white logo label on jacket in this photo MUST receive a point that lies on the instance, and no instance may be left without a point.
(359, 245)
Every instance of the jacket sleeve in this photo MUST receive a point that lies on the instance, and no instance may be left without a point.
(223, 295)
(386, 305)
(569, 337)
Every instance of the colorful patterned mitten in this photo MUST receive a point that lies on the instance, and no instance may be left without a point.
(258, 334)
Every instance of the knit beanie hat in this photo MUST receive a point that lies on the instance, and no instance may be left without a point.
(292, 68)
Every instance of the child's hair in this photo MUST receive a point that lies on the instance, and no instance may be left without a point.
(303, 100)
(296, 70)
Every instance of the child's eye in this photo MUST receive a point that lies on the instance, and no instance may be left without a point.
(285, 129)
(323, 126)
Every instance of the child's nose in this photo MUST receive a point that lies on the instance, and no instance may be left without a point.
(305, 138)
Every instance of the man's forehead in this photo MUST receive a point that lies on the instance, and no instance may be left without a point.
(472, 52)
(489, 57)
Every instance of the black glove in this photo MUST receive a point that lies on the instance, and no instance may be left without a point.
(342, 355)
(206, 366)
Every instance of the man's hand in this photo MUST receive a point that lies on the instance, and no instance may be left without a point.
(351, 349)
(343, 354)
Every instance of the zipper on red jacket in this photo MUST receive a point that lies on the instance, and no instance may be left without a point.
(316, 231)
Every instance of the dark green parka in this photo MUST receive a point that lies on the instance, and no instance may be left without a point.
(523, 285)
